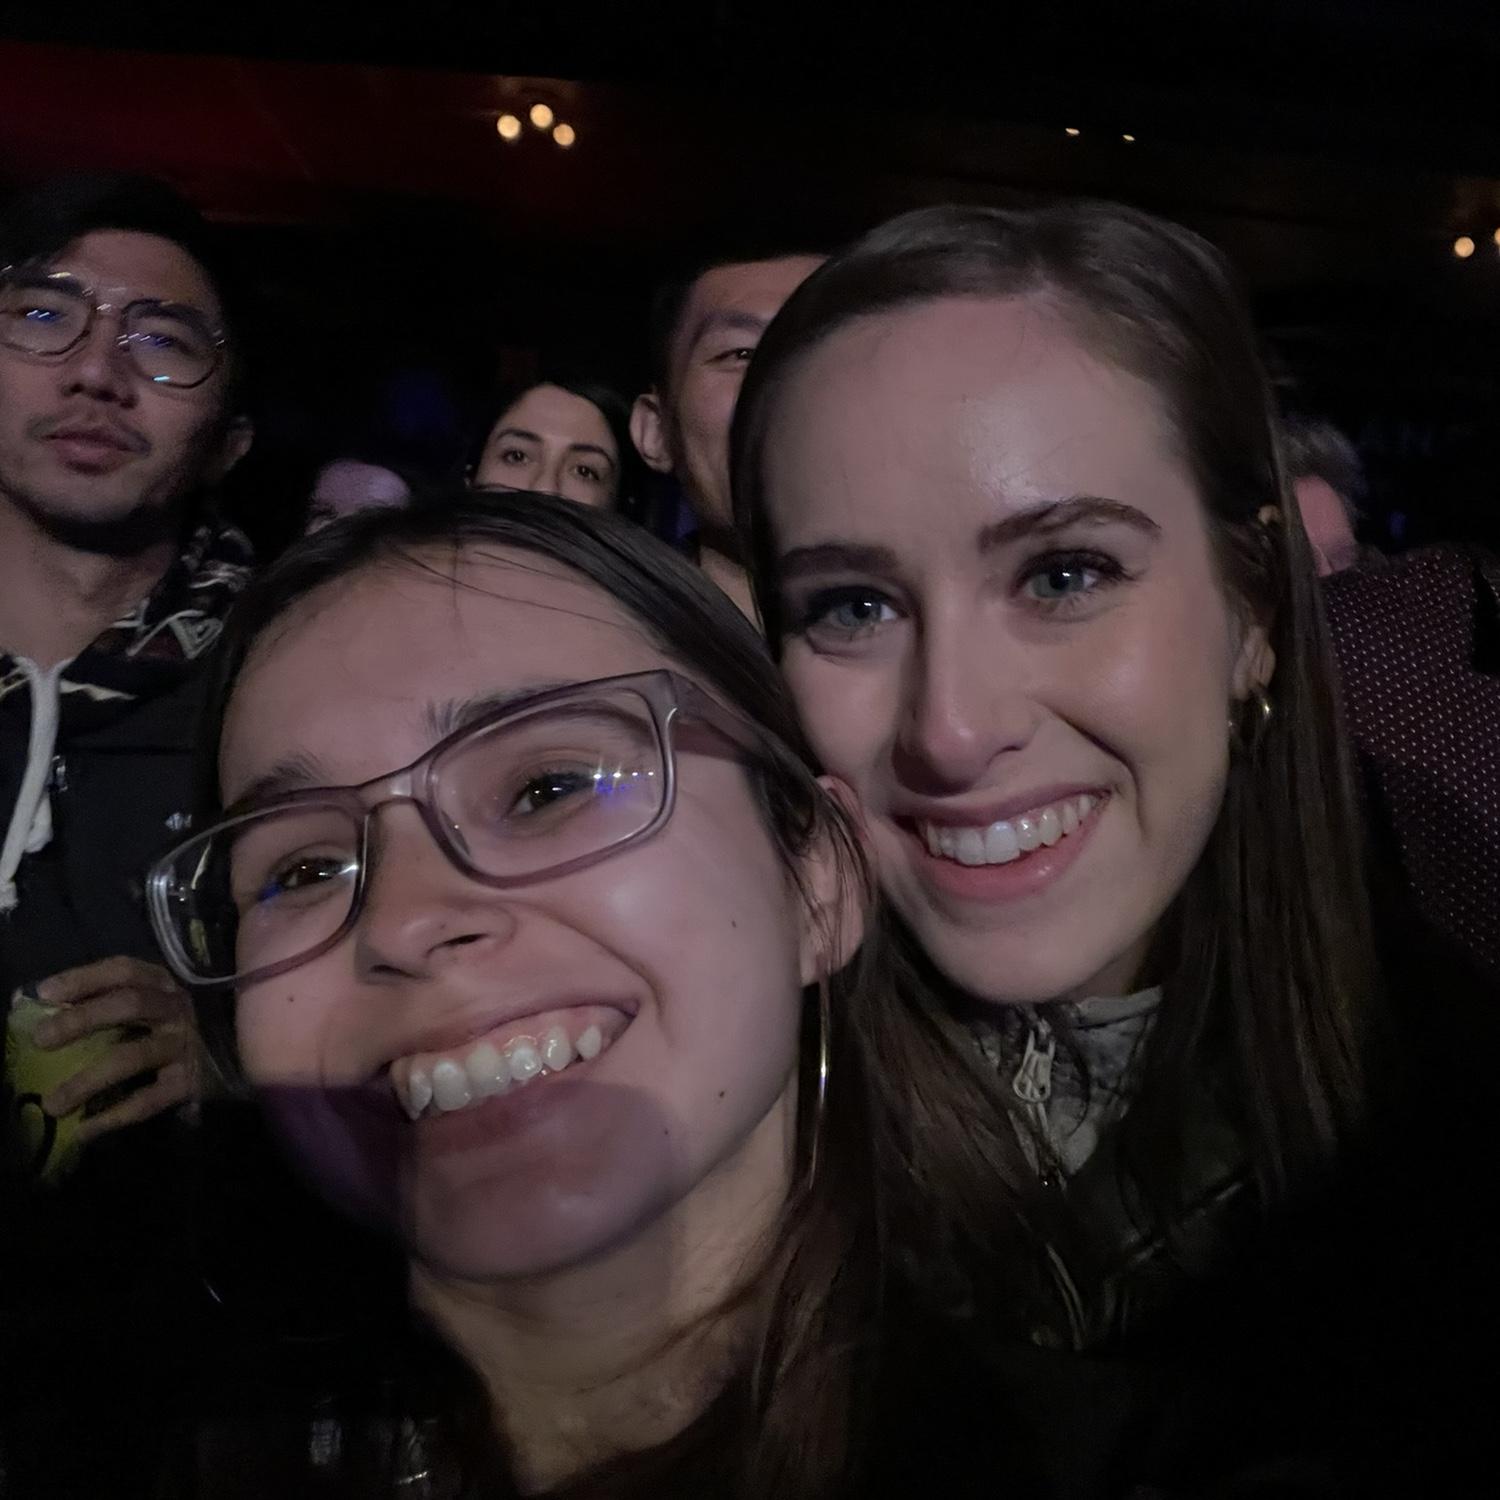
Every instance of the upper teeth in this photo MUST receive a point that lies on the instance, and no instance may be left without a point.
(999, 843)
(446, 1082)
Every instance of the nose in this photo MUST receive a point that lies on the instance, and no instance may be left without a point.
(421, 913)
(965, 703)
(551, 475)
(100, 367)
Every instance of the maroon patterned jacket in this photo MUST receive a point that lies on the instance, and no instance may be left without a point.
(1418, 644)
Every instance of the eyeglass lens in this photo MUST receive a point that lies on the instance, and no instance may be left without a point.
(48, 315)
(517, 799)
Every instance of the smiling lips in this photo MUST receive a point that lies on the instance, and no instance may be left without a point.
(513, 1055)
(1008, 839)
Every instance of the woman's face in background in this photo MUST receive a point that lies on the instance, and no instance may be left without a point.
(1006, 631)
(685, 955)
(555, 443)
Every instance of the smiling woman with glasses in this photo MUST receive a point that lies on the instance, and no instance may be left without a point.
(545, 949)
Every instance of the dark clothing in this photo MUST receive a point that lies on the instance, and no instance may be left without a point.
(96, 1274)
(117, 768)
(1418, 646)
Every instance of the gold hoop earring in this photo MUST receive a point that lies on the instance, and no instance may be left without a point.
(1255, 714)
(820, 1103)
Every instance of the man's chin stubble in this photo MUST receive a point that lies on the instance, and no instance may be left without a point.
(146, 525)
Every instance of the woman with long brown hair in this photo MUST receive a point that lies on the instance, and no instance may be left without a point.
(540, 935)
(1024, 544)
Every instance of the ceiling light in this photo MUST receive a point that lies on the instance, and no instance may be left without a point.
(509, 127)
(541, 116)
(564, 135)
(1463, 247)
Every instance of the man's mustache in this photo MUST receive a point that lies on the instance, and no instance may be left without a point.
(129, 438)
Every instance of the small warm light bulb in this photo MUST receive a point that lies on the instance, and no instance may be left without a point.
(1071, 130)
(541, 116)
(1128, 139)
(509, 127)
(1463, 247)
(564, 135)
(1497, 236)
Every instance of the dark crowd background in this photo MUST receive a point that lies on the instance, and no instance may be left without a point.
(404, 260)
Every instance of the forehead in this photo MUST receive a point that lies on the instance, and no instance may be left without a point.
(350, 671)
(550, 411)
(121, 264)
(755, 288)
(991, 398)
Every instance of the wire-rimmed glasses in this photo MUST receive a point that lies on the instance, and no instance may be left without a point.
(48, 314)
(532, 790)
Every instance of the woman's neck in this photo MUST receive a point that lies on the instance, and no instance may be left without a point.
(625, 1351)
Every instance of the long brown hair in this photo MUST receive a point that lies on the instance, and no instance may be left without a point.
(913, 1158)
(1265, 954)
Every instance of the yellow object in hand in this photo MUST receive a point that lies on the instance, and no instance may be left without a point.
(48, 1145)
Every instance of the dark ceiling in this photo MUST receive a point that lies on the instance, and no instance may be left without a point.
(1335, 147)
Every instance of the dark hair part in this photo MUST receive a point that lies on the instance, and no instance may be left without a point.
(1315, 449)
(1265, 955)
(674, 290)
(610, 404)
(916, 1162)
(40, 223)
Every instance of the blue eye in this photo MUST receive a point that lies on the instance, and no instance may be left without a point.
(849, 611)
(1063, 578)
(1061, 581)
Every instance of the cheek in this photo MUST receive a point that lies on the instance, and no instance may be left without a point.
(707, 410)
(849, 712)
(281, 1027)
(719, 943)
(1164, 677)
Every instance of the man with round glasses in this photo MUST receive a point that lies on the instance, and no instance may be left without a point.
(120, 411)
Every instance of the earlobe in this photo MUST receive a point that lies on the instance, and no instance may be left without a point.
(1256, 665)
(648, 431)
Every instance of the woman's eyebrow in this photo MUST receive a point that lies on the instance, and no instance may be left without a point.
(293, 773)
(443, 719)
(840, 556)
(1054, 515)
(836, 557)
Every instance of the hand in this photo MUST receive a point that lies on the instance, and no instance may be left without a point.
(162, 1038)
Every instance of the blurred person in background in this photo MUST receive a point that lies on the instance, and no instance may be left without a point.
(561, 436)
(1328, 481)
(705, 325)
(346, 485)
(122, 406)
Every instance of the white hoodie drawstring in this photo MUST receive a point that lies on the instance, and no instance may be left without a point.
(30, 827)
